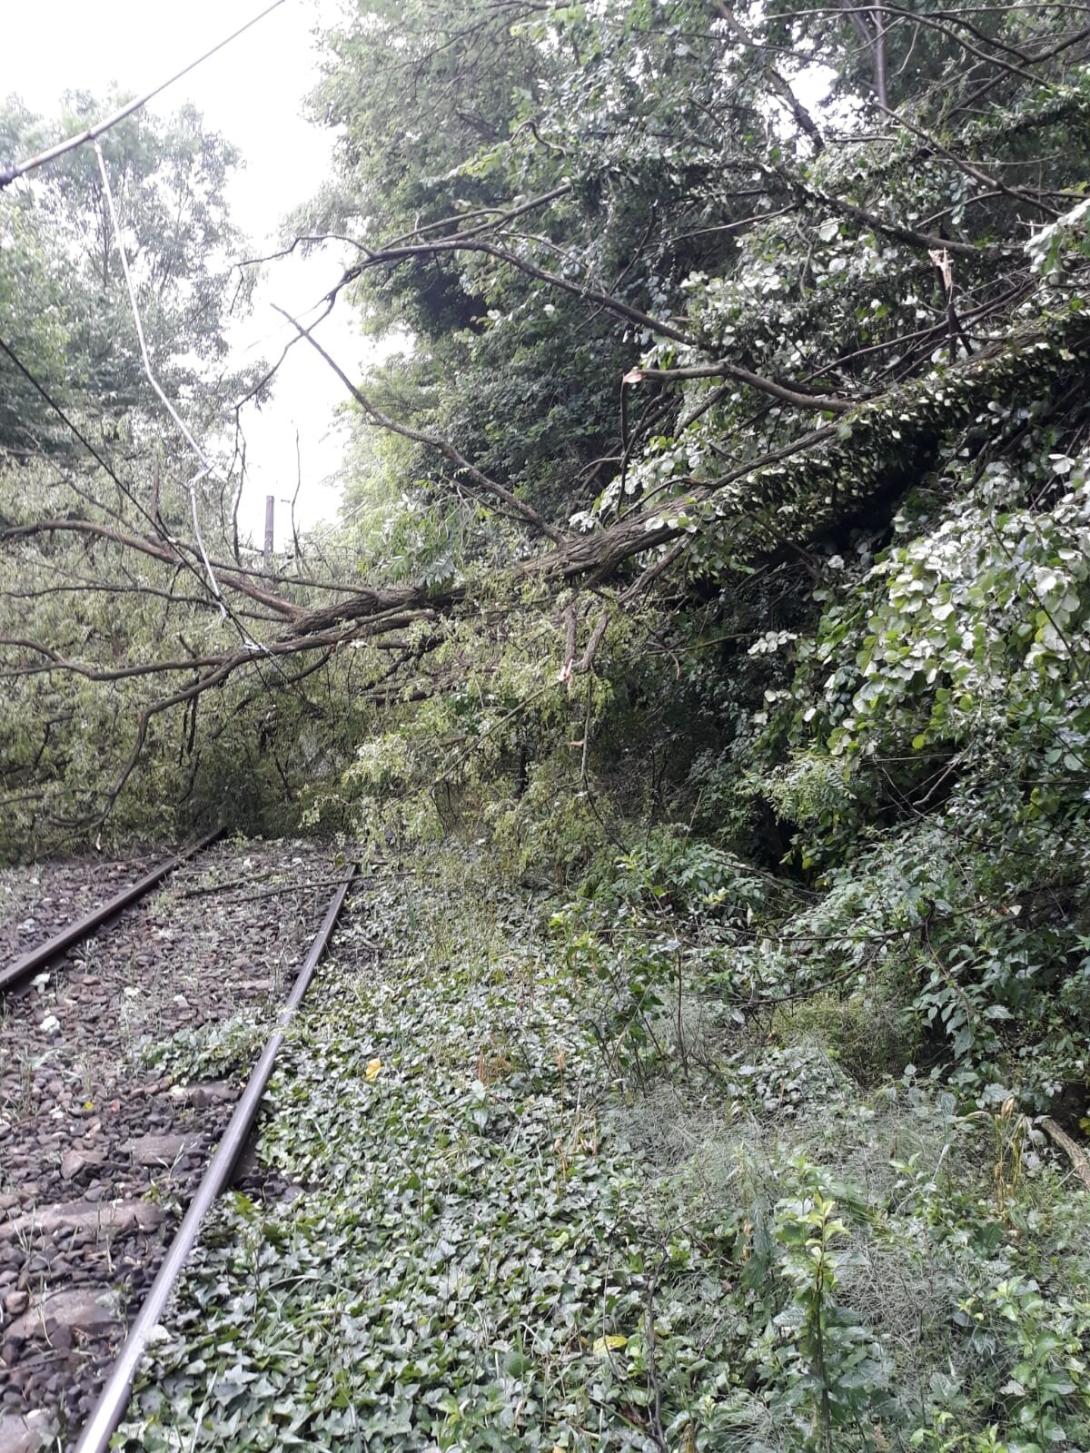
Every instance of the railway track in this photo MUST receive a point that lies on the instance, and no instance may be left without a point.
(122, 1035)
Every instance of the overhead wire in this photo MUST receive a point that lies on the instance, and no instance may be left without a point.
(64, 418)
(104, 463)
(207, 466)
(95, 453)
(92, 133)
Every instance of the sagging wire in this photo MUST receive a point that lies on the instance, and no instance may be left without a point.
(20, 169)
(258, 648)
(207, 466)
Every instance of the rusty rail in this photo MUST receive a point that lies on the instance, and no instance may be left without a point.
(37, 958)
(114, 1397)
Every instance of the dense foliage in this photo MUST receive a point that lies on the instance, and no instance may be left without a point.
(63, 306)
(724, 522)
(485, 1248)
(833, 358)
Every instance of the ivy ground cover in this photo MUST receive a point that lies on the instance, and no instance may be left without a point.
(498, 1239)
(465, 1265)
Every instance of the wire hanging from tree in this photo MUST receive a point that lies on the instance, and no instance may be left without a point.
(207, 466)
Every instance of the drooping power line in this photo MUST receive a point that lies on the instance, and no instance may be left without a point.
(19, 169)
(207, 466)
(64, 418)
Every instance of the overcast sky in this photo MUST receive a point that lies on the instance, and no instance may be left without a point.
(253, 92)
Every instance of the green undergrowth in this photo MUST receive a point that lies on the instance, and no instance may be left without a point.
(503, 1239)
(211, 1051)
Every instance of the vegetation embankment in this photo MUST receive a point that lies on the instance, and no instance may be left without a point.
(494, 1238)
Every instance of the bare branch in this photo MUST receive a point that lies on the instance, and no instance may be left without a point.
(491, 487)
(167, 552)
(723, 368)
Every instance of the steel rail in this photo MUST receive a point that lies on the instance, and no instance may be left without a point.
(37, 958)
(114, 1397)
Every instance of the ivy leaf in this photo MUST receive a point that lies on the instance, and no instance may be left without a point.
(603, 1346)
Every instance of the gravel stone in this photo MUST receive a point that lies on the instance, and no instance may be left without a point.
(75, 1161)
(24, 1433)
(90, 1137)
(160, 1149)
(81, 1310)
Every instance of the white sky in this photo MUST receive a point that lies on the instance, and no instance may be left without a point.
(253, 92)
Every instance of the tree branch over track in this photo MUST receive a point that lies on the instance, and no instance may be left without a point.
(462, 465)
(749, 494)
(155, 549)
(785, 487)
(392, 256)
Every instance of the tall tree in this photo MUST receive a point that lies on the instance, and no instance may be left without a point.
(64, 308)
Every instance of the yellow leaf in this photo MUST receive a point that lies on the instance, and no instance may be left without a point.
(373, 1069)
(605, 1345)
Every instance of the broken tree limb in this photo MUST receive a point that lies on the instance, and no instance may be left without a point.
(1080, 1161)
